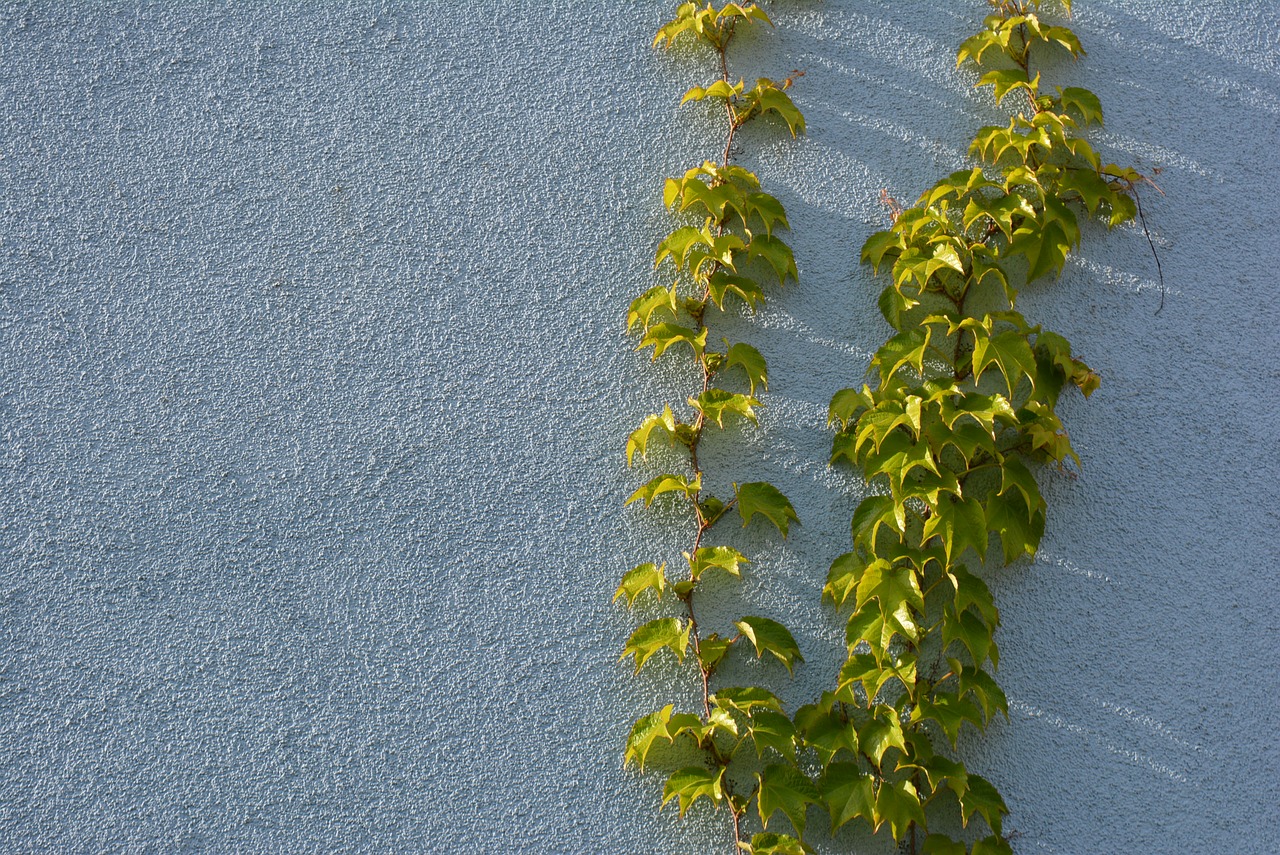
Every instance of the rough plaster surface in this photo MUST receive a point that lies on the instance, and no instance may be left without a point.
(313, 393)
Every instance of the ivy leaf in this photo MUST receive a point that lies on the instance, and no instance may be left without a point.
(744, 699)
(724, 558)
(770, 729)
(971, 631)
(752, 363)
(693, 783)
(872, 672)
(959, 524)
(848, 793)
(639, 439)
(666, 484)
(982, 686)
(825, 730)
(640, 579)
(723, 283)
(992, 846)
(662, 336)
(982, 798)
(769, 210)
(882, 732)
(877, 628)
(1011, 351)
(950, 711)
(773, 844)
(677, 245)
(776, 253)
(786, 789)
(843, 578)
(940, 844)
(871, 513)
(720, 89)
(654, 636)
(658, 299)
(905, 348)
(647, 730)
(714, 404)
(898, 803)
(712, 650)
(760, 497)
(772, 98)
(1020, 528)
(771, 636)
(1005, 80)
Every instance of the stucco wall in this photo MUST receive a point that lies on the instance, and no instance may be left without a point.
(313, 393)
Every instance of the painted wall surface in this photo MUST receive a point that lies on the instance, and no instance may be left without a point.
(314, 389)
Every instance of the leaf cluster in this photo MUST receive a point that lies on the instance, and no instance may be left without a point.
(961, 409)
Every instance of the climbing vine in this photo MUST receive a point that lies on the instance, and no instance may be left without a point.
(963, 411)
(723, 252)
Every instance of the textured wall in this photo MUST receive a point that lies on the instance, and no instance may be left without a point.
(313, 391)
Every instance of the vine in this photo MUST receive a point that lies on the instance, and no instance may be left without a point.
(964, 408)
(720, 256)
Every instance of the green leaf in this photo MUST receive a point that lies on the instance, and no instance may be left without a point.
(940, 844)
(984, 799)
(647, 730)
(971, 631)
(871, 513)
(769, 210)
(771, 636)
(848, 793)
(752, 364)
(882, 732)
(662, 336)
(775, 100)
(825, 730)
(1020, 527)
(639, 439)
(843, 578)
(724, 558)
(773, 844)
(714, 404)
(881, 245)
(786, 789)
(759, 497)
(982, 686)
(666, 483)
(776, 253)
(1005, 80)
(746, 698)
(640, 579)
(771, 729)
(658, 299)
(958, 524)
(950, 711)
(693, 783)
(712, 650)
(723, 283)
(873, 671)
(898, 803)
(654, 636)
(992, 846)
(1011, 351)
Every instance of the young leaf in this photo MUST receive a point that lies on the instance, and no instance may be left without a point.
(639, 439)
(776, 253)
(825, 730)
(746, 698)
(723, 283)
(658, 299)
(654, 636)
(881, 733)
(662, 336)
(715, 404)
(666, 484)
(647, 730)
(786, 789)
(724, 558)
(752, 363)
(693, 783)
(640, 579)
(771, 636)
(759, 497)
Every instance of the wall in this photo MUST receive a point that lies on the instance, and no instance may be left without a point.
(314, 393)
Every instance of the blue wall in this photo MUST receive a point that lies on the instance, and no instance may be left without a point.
(313, 394)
